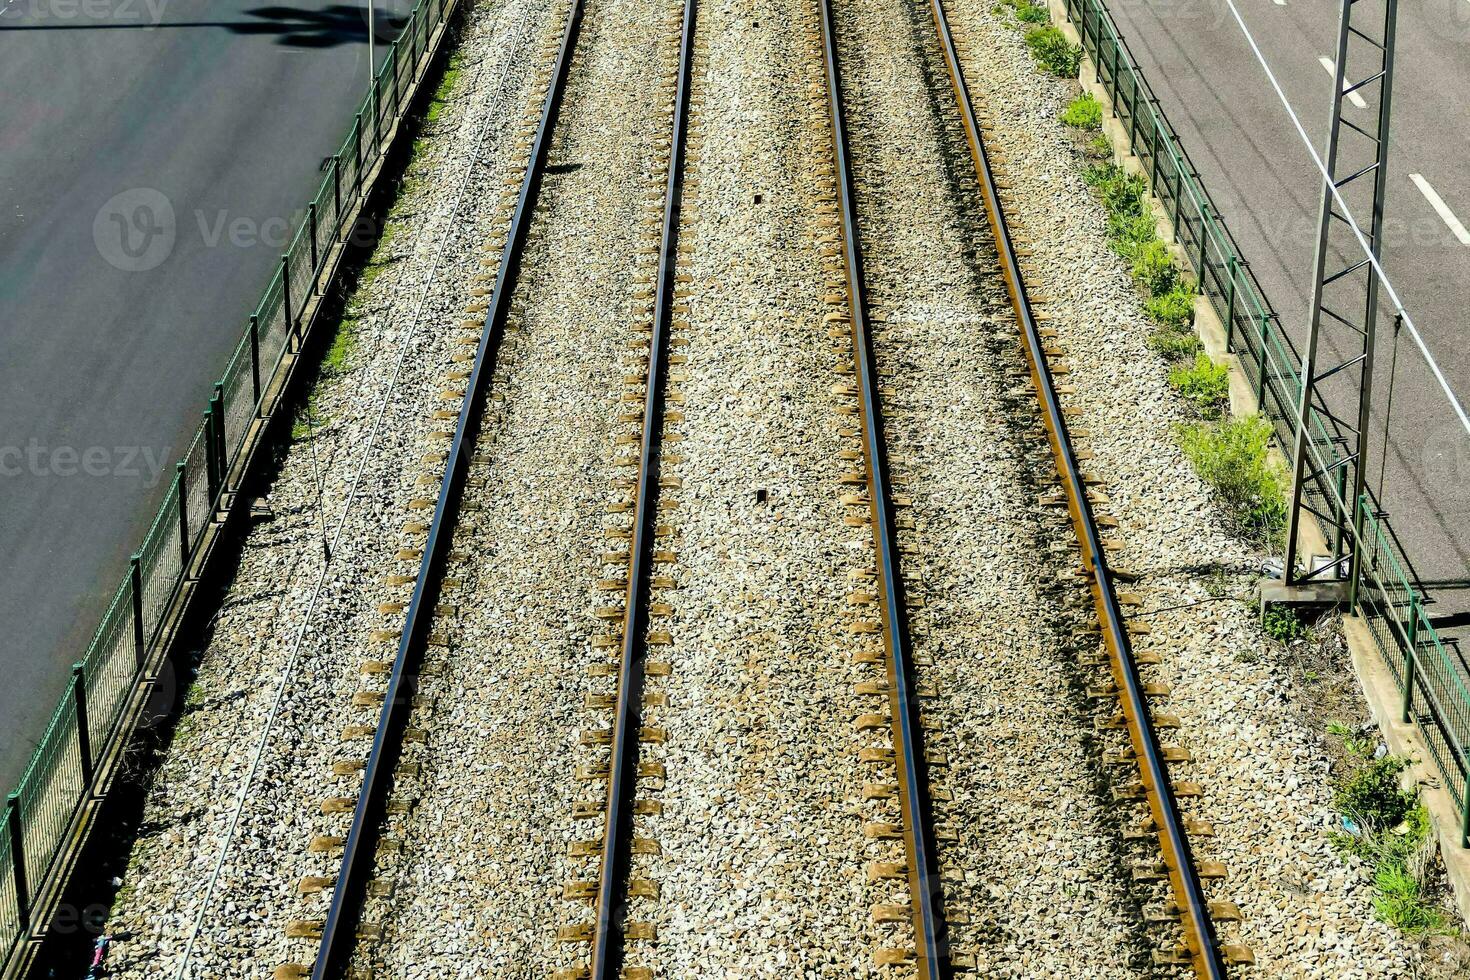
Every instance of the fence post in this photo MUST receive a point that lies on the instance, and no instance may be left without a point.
(181, 468)
(18, 863)
(357, 156)
(377, 116)
(84, 734)
(255, 359)
(217, 403)
(1411, 659)
(1153, 157)
(1203, 240)
(311, 216)
(1261, 365)
(135, 576)
(336, 193)
(1230, 305)
(1133, 113)
(393, 58)
(286, 302)
(211, 463)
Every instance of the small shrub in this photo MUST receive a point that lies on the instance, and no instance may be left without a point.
(1053, 52)
(1282, 625)
(1083, 112)
(1100, 147)
(1204, 383)
(1372, 798)
(1231, 456)
(1174, 309)
(1153, 268)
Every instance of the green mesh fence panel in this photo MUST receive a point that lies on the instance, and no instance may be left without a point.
(9, 901)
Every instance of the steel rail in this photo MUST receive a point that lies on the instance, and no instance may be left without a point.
(1194, 911)
(339, 930)
(617, 838)
(926, 889)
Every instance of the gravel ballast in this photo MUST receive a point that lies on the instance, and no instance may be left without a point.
(765, 852)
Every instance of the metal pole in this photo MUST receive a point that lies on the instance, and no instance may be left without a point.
(1233, 266)
(336, 193)
(181, 468)
(286, 301)
(217, 404)
(1411, 659)
(1309, 359)
(84, 735)
(311, 217)
(255, 358)
(1370, 322)
(135, 575)
(1261, 362)
(211, 464)
(18, 863)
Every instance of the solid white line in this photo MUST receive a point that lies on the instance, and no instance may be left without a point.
(1437, 202)
(1353, 97)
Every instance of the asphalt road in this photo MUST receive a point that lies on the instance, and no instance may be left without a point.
(1250, 157)
(109, 346)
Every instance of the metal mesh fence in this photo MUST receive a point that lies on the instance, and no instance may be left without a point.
(161, 562)
(110, 664)
(1391, 605)
(9, 904)
(55, 780)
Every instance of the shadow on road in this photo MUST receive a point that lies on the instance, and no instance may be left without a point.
(292, 26)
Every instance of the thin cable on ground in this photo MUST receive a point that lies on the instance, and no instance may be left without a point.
(351, 497)
(1353, 224)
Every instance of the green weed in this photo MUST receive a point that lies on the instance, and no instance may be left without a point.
(1231, 456)
(1053, 52)
(1174, 344)
(1204, 383)
(1282, 625)
(1174, 309)
(1153, 268)
(1083, 112)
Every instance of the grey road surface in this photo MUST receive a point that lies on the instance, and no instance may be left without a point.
(152, 153)
(1250, 157)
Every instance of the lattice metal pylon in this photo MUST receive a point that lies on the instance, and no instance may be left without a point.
(1329, 452)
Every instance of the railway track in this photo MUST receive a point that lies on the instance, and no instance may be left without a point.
(932, 953)
(350, 888)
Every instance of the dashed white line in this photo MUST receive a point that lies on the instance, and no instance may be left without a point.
(1437, 202)
(1353, 97)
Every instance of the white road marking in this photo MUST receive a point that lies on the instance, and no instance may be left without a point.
(1437, 202)
(1282, 3)
(1353, 97)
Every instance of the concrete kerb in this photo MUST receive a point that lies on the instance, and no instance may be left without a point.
(1380, 691)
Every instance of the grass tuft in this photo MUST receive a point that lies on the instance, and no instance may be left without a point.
(1283, 625)
(1231, 456)
(1204, 384)
(1173, 310)
(1083, 112)
(1053, 52)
